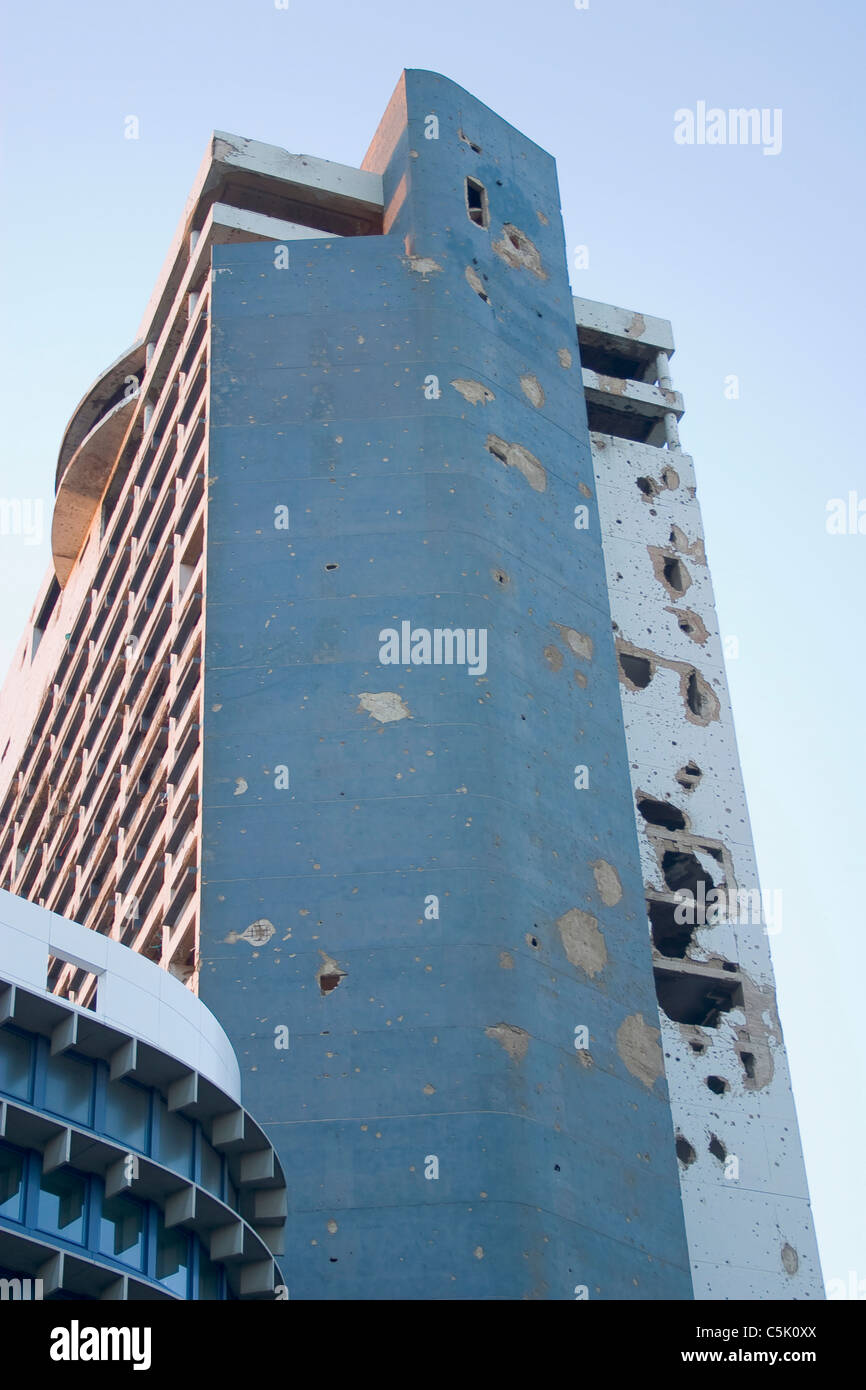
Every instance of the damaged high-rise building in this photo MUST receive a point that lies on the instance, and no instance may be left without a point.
(376, 692)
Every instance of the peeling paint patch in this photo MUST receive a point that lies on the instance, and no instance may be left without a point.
(582, 941)
(422, 265)
(514, 1040)
(241, 785)
(577, 642)
(565, 357)
(516, 456)
(518, 251)
(533, 390)
(790, 1259)
(384, 705)
(506, 960)
(607, 882)
(638, 1045)
(257, 933)
(473, 391)
(637, 327)
(329, 974)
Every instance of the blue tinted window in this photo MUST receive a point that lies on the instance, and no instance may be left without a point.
(69, 1088)
(62, 1199)
(11, 1183)
(175, 1141)
(16, 1054)
(121, 1230)
(208, 1277)
(127, 1108)
(172, 1258)
(211, 1168)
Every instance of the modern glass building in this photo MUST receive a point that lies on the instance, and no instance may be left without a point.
(128, 1167)
(376, 694)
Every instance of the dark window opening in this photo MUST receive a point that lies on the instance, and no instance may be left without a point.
(476, 203)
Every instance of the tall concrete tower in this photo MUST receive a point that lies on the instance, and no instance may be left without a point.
(326, 710)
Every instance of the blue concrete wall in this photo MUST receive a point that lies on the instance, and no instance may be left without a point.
(452, 1036)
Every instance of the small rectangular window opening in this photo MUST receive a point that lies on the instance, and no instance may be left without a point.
(476, 203)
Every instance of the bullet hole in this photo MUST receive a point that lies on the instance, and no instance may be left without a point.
(332, 1259)
(698, 1047)
(685, 1153)
(676, 576)
(717, 1084)
(696, 999)
(717, 1148)
(700, 698)
(556, 1168)
(682, 870)
(477, 284)
(332, 566)
(476, 149)
(648, 486)
(661, 813)
(689, 776)
(670, 938)
(500, 576)
(748, 1061)
(476, 203)
(685, 626)
(533, 940)
(636, 669)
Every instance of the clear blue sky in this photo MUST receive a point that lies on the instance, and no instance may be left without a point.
(755, 259)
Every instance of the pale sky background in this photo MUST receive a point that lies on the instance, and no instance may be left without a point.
(755, 259)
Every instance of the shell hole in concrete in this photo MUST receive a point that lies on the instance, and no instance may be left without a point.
(689, 776)
(646, 485)
(676, 575)
(637, 669)
(329, 982)
(670, 478)
(332, 566)
(697, 999)
(718, 1085)
(717, 1148)
(748, 1061)
(685, 1152)
(497, 453)
(682, 871)
(670, 938)
(698, 1047)
(476, 203)
(661, 813)
(696, 696)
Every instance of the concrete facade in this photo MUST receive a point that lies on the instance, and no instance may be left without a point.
(744, 1187)
(364, 429)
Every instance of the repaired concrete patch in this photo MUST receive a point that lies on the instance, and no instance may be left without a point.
(607, 882)
(582, 941)
(384, 705)
(638, 1045)
(514, 1040)
(473, 391)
